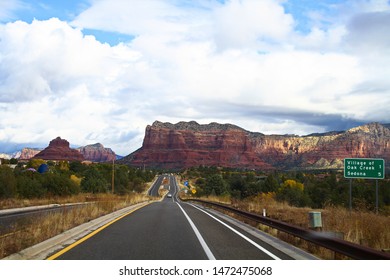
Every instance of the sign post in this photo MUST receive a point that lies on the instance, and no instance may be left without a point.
(364, 168)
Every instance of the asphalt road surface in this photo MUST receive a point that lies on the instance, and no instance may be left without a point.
(171, 230)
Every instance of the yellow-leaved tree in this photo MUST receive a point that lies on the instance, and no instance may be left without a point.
(292, 192)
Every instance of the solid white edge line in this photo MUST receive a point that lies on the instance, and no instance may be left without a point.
(198, 235)
(240, 234)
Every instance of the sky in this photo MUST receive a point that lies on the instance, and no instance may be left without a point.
(100, 71)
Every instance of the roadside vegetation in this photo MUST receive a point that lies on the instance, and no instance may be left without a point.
(64, 180)
(286, 196)
(299, 189)
(26, 234)
(62, 183)
(290, 196)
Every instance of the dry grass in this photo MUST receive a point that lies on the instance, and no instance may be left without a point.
(53, 224)
(18, 203)
(361, 227)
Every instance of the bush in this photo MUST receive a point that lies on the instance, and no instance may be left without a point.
(58, 184)
(94, 182)
(293, 193)
(215, 185)
(7, 182)
(29, 187)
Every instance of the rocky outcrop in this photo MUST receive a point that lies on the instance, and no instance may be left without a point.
(59, 149)
(97, 153)
(5, 156)
(24, 154)
(28, 153)
(187, 144)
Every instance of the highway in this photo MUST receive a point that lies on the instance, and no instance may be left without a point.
(172, 230)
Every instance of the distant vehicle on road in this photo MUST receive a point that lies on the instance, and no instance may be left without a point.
(169, 195)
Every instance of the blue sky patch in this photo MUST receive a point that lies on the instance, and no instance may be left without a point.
(111, 38)
(46, 9)
(304, 10)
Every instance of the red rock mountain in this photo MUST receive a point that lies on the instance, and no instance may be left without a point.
(59, 149)
(187, 144)
(97, 153)
(28, 153)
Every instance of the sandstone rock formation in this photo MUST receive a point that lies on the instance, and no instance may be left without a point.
(59, 149)
(187, 144)
(97, 153)
(28, 153)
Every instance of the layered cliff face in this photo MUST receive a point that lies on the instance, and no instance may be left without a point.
(28, 153)
(59, 149)
(187, 144)
(97, 153)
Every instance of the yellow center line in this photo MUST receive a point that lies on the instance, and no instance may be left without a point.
(63, 251)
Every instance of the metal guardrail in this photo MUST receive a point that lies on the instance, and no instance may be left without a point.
(340, 246)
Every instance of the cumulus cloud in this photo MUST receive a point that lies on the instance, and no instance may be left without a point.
(242, 24)
(136, 18)
(46, 57)
(367, 31)
(57, 81)
(243, 62)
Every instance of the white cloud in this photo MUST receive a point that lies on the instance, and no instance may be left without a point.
(133, 18)
(47, 57)
(368, 32)
(242, 24)
(55, 81)
(241, 62)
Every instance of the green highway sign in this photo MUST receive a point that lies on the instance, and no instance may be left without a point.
(364, 168)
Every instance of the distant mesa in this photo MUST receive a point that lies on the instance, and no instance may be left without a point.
(28, 153)
(59, 149)
(97, 153)
(188, 144)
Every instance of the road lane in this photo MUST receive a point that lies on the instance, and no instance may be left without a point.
(153, 191)
(227, 244)
(156, 231)
(172, 230)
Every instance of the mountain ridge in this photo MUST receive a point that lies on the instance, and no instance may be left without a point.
(187, 144)
(93, 152)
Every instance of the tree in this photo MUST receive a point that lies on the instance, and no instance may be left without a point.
(7, 182)
(63, 165)
(252, 189)
(292, 192)
(77, 167)
(29, 187)
(59, 184)
(35, 163)
(238, 185)
(122, 185)
(137, 185)
(319, 193)
(270, 184)
(94, 182)
(215, 183)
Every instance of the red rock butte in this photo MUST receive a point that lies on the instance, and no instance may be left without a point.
(59, 149)
(188, 144)
(97, 153)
